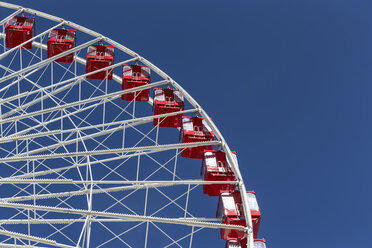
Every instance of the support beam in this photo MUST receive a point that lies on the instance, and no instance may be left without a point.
(158, 148)
(130, 123)
(70, 221)
(137, 184)
(139, 218)
(33, 238)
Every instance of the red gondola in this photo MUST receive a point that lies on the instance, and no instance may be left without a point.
(216, 168)
(168, 101)
(99, 57)
(18, 30)
(195, 129)
(135, 76)
(258, 243)
(230, 207)
(235, 243)
(59, 41)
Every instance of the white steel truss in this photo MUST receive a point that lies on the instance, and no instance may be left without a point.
(70, 147)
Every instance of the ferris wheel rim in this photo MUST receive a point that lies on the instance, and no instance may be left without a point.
(137, 57)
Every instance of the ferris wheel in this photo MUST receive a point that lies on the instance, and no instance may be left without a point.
(100, 148)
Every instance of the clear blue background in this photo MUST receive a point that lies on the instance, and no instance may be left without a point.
(287, 82)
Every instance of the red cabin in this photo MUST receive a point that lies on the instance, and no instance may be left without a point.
(135, 76)
(235, 243)
(18, 30)
(59, 41)
(99, 57)
(230, 207)
(168, 101)
(195, 129)
(258, 243)
(216, 168)
(255, 212)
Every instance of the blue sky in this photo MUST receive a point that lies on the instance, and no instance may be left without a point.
(288, 83)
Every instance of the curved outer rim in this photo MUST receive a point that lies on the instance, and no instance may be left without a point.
(249, 229)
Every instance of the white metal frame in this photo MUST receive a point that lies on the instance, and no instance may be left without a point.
(88, 182)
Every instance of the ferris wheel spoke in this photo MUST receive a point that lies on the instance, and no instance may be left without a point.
(111, 151)
(19, 246)
(71, 221)
(33, 238)
(136, 121)
(80, 192)
(179, 221)
(137, 185)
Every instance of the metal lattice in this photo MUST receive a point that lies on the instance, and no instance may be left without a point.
(82, 168)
